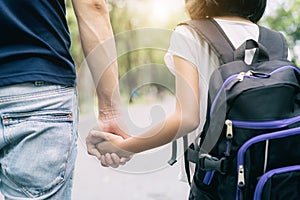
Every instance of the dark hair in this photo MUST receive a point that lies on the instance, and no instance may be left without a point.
(252, 10)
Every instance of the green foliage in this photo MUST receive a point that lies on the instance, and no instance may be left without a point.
(128, 15)
(287, 19)
(129, 19)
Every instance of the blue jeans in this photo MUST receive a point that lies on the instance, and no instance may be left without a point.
(38, 134)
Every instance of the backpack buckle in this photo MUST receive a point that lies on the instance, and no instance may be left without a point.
(210, 163)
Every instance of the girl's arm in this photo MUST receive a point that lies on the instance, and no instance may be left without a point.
(183, 120)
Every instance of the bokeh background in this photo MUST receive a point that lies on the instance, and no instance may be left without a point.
(147, 87)
(143, 29)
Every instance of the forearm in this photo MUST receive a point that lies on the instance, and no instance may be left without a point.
(184, 119)
(99, 48)
(93, 23)
(109, 103)
(175, 126)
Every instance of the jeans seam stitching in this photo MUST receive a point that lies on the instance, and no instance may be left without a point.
(24, 97)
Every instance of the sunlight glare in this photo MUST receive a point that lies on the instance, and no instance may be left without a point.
(161, 10)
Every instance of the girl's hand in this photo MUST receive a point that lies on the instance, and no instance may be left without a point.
(111, 124)
(111, 144)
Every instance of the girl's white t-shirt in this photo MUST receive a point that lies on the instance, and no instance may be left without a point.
(186, 43)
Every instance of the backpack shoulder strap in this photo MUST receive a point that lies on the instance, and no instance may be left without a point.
(213, 34)
(274, 42)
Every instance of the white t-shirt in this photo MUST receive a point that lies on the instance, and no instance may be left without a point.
(186, 43)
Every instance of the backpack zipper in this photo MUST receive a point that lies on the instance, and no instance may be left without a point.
(255, 125)
(263, 180)
(266, 124)
(239, 77)
(229, 129)
(276, 124)
(260, 138)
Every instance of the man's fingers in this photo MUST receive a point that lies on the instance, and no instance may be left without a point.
(115, 158)
(103, 161)
(94, 152)
(110, 161)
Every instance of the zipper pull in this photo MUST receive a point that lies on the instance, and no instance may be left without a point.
(242, 75)
(241, 176)
(229, 131)
(249, 73)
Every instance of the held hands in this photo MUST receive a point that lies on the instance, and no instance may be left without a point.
(103, 145)
(112, 144)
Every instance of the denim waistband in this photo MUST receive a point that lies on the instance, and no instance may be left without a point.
(29, 87)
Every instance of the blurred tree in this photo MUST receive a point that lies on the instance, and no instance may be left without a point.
(143, 30)
(129, 19)
(286, 18)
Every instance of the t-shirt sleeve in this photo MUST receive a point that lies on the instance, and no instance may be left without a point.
(186, 43)
(182, 44)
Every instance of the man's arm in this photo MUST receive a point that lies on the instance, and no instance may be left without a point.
(99, 49)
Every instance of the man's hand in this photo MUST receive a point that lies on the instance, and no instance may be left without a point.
(91, 144)
(112, 144)
(113, 124)
(107, 158)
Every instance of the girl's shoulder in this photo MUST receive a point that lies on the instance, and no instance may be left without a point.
(186, 31)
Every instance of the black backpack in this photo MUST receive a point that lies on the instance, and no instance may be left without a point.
(250, 145)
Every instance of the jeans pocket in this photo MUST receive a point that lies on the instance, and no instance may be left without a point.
(37, 157)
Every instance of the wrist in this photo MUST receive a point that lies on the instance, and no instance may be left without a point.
(112, 121)
(109, 114)
(124, 149)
